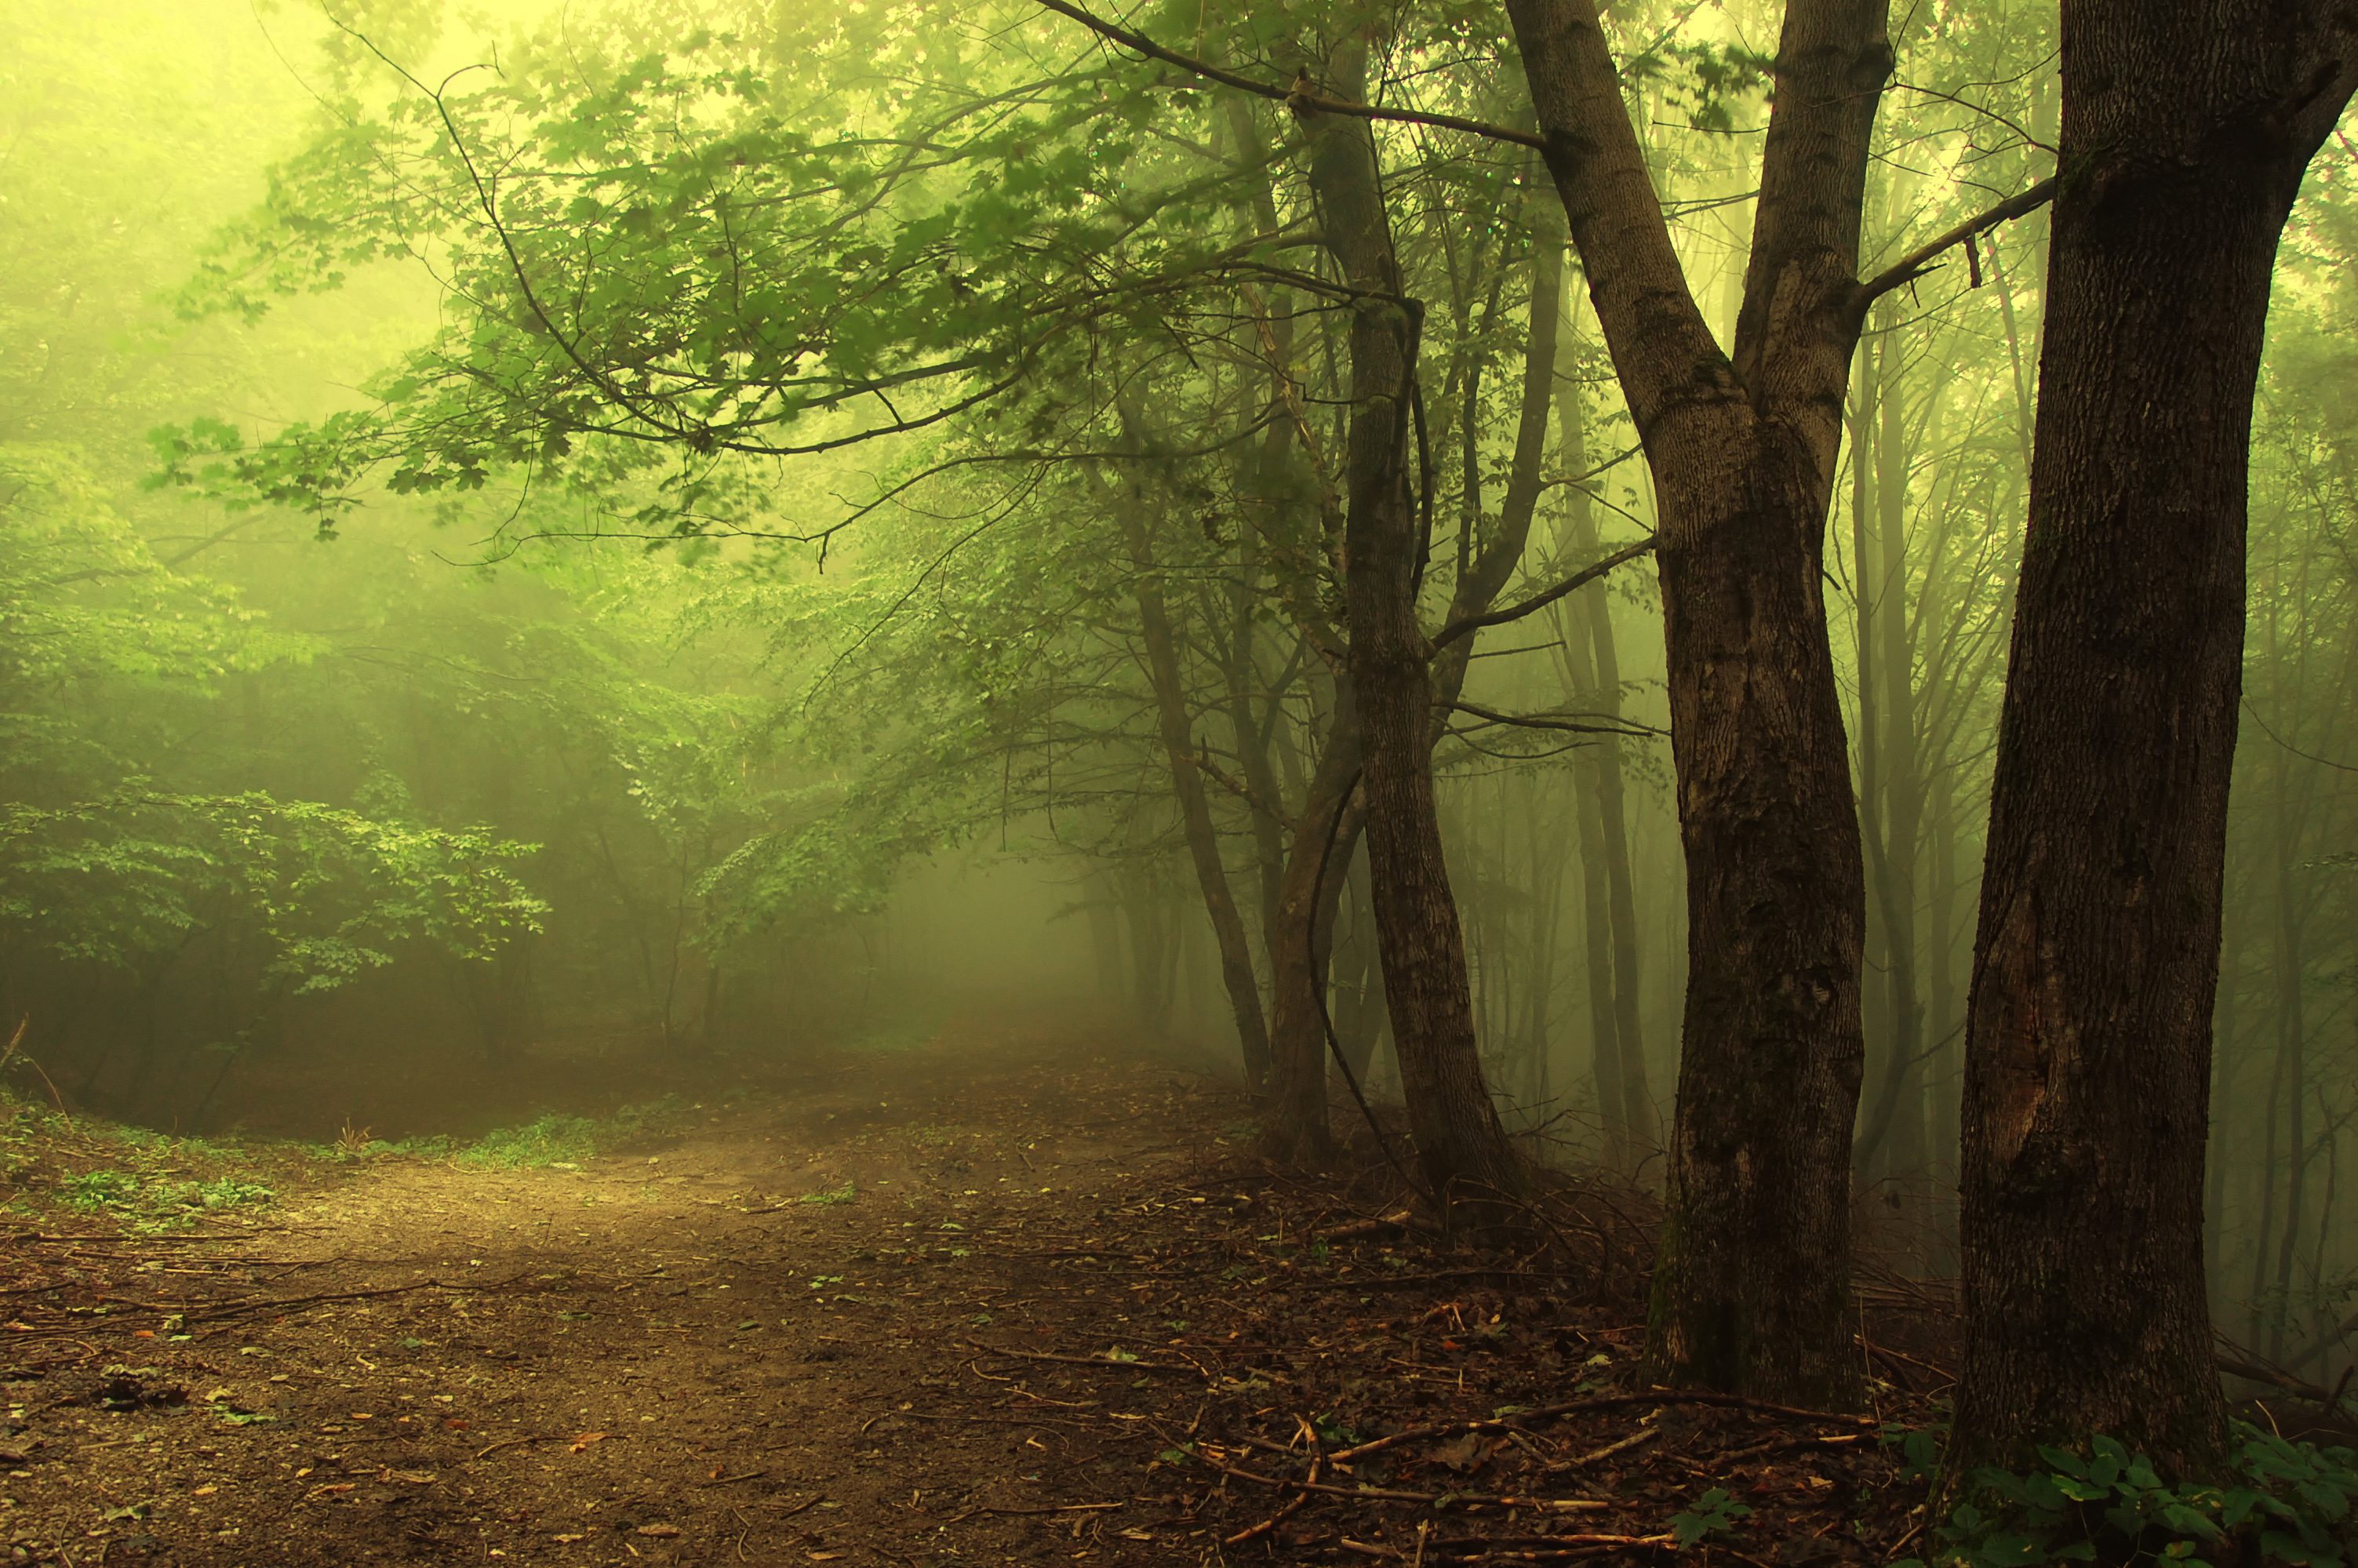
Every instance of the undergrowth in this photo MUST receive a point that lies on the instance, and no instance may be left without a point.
(559, 1140)
(143, 1180)
(148, 1181)
(2285, 1503)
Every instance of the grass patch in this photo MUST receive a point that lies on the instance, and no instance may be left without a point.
(139, 1179)
(155, 1203)
(833, 1197)
(559, 1140)
(553, 1139)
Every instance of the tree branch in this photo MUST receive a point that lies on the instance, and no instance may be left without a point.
(1621, 727)
(1204, 764)
(1297, 98)
(1538, 601)
(1914, 265)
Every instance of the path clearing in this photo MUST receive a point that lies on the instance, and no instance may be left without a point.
(1003, 1298)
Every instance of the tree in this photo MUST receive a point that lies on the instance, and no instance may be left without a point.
(2186, 130)
(1752, 1282)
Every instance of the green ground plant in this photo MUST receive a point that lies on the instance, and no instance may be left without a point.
(2285, 1503)
(153, 1203)
(146, 1181)
(551, 1139)
(557, 1138)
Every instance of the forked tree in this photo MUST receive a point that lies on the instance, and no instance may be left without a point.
(1752, 1282)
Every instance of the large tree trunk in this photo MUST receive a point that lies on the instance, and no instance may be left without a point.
(1461, 1144)
(2186, 130)
(1752, 1281)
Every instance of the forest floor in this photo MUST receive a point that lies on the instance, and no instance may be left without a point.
(1013, 1295)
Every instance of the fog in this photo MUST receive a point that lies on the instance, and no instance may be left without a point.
(382, 707)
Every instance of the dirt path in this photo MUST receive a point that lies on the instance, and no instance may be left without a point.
(730, 1349)
(1001, 1298)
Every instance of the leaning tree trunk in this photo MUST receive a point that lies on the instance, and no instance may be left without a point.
(1752, 1282)
(1295, 1130)
(2186, 130)
(1237, 978)
(1461, 1144)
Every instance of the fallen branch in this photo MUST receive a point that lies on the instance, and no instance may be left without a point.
(514, 1442)
(1086, 1360)
(1601, 1401)
(1292, 1505)
(1377, 1495)
(979, 1420)
(1557, 1547)
(1058, 1508)
(1778, 1444)
(1636, 1439)
(209, 1309)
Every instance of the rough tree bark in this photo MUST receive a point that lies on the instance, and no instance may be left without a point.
(2186, 130)
(1752, 1282)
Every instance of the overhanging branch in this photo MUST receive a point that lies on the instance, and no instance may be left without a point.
(1298, 97)
(1538, 602)
(1916, 263)
(1579, 724)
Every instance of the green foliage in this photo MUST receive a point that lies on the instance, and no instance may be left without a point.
(2289, 1501)
(151, 1203)
(1715, 1512)
(832, 1197)
(1705, 79)
(136, 871)
(556, 1139)
(936, 236)
(550, 1139)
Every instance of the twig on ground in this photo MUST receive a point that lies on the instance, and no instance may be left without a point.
(1374, 1494)
(1636, 1439)
(1292, 1505)
(1601, 1401)
(1058, 1508)
(1778, 1444)
(1118, 1365)
(514, 1442)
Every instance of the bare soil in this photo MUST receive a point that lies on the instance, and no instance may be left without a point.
(1016, 1295)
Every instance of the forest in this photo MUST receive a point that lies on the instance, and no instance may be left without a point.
(1607, 741)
